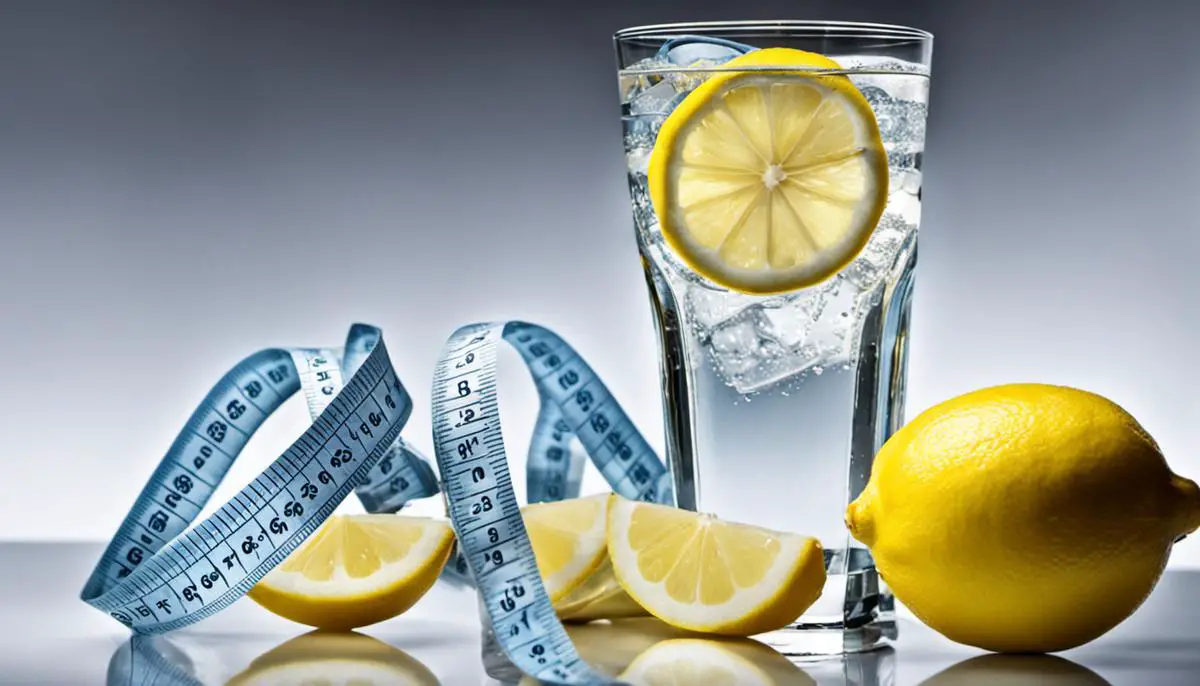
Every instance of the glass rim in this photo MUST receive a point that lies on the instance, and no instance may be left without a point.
(842, 29)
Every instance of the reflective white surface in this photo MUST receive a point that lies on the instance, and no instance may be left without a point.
(49, 636)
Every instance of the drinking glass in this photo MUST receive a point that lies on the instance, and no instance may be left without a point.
(776, 404)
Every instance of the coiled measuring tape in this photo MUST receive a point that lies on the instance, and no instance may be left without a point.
(478, 485)
(157, 574)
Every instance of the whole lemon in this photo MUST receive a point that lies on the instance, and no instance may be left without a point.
(1023, 518)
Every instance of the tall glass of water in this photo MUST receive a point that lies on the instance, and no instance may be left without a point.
(775, 177)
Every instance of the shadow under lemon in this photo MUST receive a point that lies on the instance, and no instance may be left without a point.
(1016, 670)
(314, 658)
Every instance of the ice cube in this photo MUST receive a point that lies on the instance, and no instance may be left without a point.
(762, 371)
(904, 172)
(640, 134)
(639, 195)
(789, 323)
(701, 52)
(657, 99)
(900, 79)
(875, 261)
(749, 360)
(638, 161)
(641, 75)
(735, 339)
(901, 122)
(710, 308)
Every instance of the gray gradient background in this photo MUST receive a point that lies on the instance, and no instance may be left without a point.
(183, 183)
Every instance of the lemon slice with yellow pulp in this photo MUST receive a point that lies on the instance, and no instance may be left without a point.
(767, 181)
(568, 541)
(357, 570)
(699, 573)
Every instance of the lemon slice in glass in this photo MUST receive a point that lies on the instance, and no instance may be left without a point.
(696, 572)
(765, 180)
(357, 570)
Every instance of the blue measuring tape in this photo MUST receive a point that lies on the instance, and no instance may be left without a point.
(158, 574)
(478, 485)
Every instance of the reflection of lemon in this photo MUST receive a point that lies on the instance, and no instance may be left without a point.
(1023, 518)
(702, 574)
(770, 181)
(568, 541)
(610, 647)
(357, 570)
(726, 662)
(332, 659)
(1016, 670)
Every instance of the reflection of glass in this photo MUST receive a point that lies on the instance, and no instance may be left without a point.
(314, 658)
(868, 668)
(776, 404)
(645, 651)
(1006, 670)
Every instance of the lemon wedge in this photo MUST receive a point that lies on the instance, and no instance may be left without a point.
(770, 181)
(569, 543)
(699, 573)
(357, 570)
(600, 596)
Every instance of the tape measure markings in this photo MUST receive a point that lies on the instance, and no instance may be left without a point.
(188, 575)
(201, 570)
(469, 447)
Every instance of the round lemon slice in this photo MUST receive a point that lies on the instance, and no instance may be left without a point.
(696, 572)
(357, 570)
(568, 541)
(770, 181)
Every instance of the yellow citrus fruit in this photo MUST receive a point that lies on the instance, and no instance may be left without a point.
(699, 573)
(357, 570)
(770, 181)
(599, 597)
(335, 658)
(568, 541)
(724, 662)
(1023, 518)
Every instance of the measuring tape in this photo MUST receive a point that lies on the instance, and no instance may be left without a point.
(157, 574)
(145, 660)
(478, 485)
